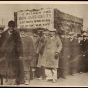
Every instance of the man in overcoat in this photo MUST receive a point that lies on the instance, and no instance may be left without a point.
(34, 61)
(12, 52)
(41, 60)
(79, 46)
(51, 55)
(64, 56)
(27, 44)
(74, 49)
(84, 46)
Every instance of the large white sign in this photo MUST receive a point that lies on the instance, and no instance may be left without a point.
(42, 18)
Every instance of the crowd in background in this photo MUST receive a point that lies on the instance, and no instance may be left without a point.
(44, 54)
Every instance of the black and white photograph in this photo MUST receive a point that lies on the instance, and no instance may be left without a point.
(44, 43)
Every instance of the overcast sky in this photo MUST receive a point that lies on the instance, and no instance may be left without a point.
(79, 10)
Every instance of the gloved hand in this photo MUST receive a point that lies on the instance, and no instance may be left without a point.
(56, 55)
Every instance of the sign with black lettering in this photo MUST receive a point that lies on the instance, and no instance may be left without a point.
(42, 18)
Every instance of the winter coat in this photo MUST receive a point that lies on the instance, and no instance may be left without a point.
(27, 44)
(35, 51)
(11, 48)
(52, 46)
(42, 45)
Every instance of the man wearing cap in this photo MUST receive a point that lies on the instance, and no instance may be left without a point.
(73, 48)
(51, 55)
(11, 47)
(27, 54)
(41, 60)
(33, 63)
(75, 51)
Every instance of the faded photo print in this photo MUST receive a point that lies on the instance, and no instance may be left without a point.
(43, 44)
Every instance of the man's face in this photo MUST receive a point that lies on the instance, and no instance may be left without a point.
(1, 31)
(22, 33)
(66, 36)
(52, 33)
(79, 38)
(40, 34)
(11, 29)
(62, 36)
(71, 37)
(84, 38)
(46, 33)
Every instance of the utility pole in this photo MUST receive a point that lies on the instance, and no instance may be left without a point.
(2, 21)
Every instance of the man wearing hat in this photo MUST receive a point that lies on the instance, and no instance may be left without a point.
(64, 56)
(35, 52)
(11, 48)
(27, 44)
(41, 60)
(73, 47)
(51, 55)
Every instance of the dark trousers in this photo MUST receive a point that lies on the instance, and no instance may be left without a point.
(20, 74)
(1, 77)
(81, 64)
(63, 67)
(86, 64)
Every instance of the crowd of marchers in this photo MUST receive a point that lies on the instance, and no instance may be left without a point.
(44, 55)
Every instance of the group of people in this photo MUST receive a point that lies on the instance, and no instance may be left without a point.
(24, 57)
(74, 54)
(44, 54)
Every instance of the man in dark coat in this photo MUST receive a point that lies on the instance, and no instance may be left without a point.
(80, 54)
(35, 52)
(73, 62)
(84, 46)
(72, 54)
(64, 56)
(86, 56)
(12, 52)
(2, 65)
